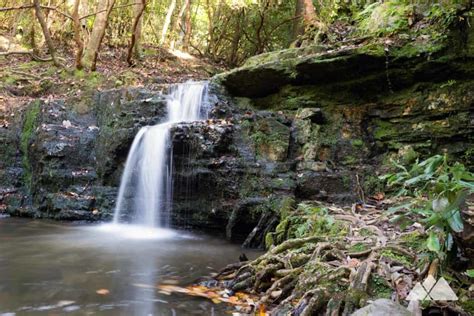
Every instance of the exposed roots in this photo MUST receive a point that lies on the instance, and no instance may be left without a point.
(331, 274)
(306, 280)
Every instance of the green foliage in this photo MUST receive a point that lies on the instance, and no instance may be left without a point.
(397, 257)
(439, 189)
(379, 287)
(442, 13)
(306, 220)
(384, 18)
(311, 220)
(29, 126)
(448, 83)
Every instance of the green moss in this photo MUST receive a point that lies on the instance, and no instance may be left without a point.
(372, 184)
(396, 257)
(385, 18)
(384, 130)
(358, 247)
(350, 160)
(373, 49)
(365, 232)
(252, 185)
(286, 207)
(379, 287)
(270, 138)
(10, 79)
(468, 305)
(414, 240)
(269, 240)
(29, 127)
(357, 143)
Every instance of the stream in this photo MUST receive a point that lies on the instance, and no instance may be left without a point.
(51, 268)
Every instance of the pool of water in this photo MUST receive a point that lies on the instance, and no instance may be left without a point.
(51, 268)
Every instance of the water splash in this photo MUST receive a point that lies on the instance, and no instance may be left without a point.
(146, 185)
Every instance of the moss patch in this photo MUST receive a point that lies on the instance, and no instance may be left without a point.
(29, 127)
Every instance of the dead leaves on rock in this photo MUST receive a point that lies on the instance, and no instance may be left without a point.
(243, 302)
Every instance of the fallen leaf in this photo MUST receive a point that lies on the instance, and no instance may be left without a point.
(103, 292)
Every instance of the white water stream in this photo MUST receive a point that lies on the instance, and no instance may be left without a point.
(147, 181)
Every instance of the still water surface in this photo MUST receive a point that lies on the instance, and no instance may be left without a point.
(50, 268)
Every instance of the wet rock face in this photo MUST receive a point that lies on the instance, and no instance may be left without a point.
(120, 114)
(68, 165)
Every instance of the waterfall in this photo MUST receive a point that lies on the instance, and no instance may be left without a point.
(146, 184)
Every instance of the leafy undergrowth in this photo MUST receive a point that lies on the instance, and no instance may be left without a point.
(414, 27)
(335, 260)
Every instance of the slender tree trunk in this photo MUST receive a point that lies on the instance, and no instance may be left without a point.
(305, 18)
(166, 25)
(187, 26)
(216, 39)
(260, 42)
(236, 38)
(89, 60)
(32, 35)
(177, 24)
(210, 27)
(133, 48)
(83, 11)
(310, 16)
(77, 34)
(47, 36)
(298, 25)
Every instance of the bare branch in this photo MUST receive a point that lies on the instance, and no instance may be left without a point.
(31, 6)
(31, 53)
(114, 8)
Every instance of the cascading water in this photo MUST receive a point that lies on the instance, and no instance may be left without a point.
(146, 185)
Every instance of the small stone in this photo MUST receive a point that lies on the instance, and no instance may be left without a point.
(382, 307)
(313, 114)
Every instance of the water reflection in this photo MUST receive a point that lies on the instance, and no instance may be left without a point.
(50, 268)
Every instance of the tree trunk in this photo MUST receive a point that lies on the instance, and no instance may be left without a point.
(77, 34)
(298, 25)
(187, 26)
(214, 47)
(47, 36)
(177, 24)
(260, 41)
(104, 7)
(305, 18)
(134, 47)
(166, 25)
(236, 38)
(210, 27)
(309, 12)
(32, 36)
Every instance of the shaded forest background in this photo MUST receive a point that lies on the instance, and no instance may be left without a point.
(71, 48)
(225, 32)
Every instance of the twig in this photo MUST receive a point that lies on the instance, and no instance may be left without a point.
(25, 74)
(33, 55)
(114, 8)
(31, 6)
(359, 188)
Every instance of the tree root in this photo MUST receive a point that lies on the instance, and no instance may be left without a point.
(328, 274)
